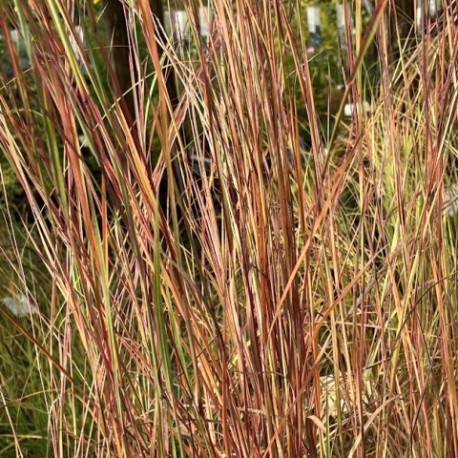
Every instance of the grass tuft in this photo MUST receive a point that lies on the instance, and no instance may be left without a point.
(204, 282)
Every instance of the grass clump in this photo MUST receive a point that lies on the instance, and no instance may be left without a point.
(208, 285)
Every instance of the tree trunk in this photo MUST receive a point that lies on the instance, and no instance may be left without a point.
(120, 51)
(402, 21)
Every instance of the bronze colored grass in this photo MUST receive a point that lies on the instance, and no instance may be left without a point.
(277, 301)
